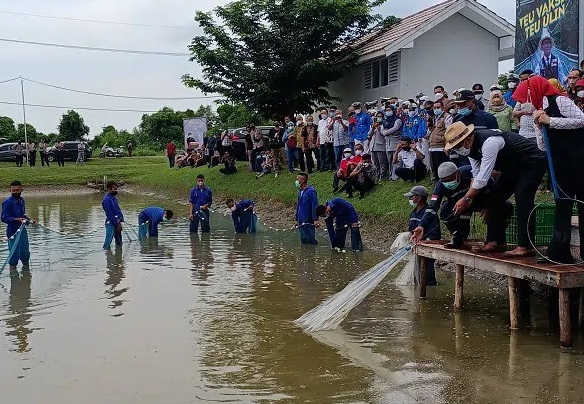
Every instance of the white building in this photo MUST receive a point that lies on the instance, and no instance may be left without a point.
(455, 44)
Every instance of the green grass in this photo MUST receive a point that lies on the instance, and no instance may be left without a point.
(387, 201)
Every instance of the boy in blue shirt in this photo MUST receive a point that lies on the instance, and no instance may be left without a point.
(114, 216)
(242, 215)
(13, 214)
(150, 218)
(200, 201)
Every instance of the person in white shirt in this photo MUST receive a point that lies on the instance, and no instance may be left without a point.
(564, 125)
(410, 160)
(323, 130)
(520, 167)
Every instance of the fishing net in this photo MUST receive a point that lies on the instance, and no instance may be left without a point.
(410, 273)
(330, 313)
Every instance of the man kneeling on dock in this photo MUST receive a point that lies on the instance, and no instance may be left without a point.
(340, 217)
(453, 185)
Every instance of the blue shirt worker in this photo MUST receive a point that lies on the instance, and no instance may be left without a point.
(114, 216)
(415, 126)
(13, 214)
(243, 216)
(306, 218)
(360, 129)
(200, 201)
(453, 185)
(418, 198)
(150, 218)
(340, 217)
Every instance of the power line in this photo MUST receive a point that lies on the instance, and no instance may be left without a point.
(115, 95)
(90, 48)
(95, 21)
(9, 80)
(79, 108)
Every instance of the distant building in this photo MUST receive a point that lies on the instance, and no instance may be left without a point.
(454, 44)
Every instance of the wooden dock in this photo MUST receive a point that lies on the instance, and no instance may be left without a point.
(562, 277)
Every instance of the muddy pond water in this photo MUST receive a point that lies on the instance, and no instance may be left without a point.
(208, 318)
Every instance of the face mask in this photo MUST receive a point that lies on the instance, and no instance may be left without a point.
(114, 193)
(366, 164)
(452, 111)
(464, 111)
(358, 152)
(411, 114)
(438, 96)
(298, 123)
(512, 85)
(462, 151)
(478, 96)
(309, 122)
(165, 219)
(332, 114)
(378, 120)
(528, 106)
(437, 111)
(389, 113)
(357, 111)
(297, 184)
(348, 155)
(16, 194)
(323, 116)
(233, 208)
(451, 185)
(580, 94)
(412, 203)
(201, 183)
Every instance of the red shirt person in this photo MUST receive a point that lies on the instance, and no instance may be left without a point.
(171, 153)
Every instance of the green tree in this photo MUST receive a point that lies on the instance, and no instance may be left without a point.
(31, 132)
(278, 57)
(160, 127)
(8, 129)
(231, 116)
(72, 126)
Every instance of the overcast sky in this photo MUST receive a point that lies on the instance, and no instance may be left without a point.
(115, 73)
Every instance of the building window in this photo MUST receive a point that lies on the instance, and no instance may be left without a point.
(382, 72)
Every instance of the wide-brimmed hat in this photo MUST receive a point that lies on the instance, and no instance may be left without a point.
(456, 133)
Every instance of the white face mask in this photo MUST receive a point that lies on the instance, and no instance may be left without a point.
(388, 113)
(201, 183)
(412, 203)
(512, 85)
(580, 94)
(358, 152)
(452, 111)
(462, 151)
(347, 155)
(478, 96)
(411, 114)
(438, 96)
(233, 208)
(357, 111)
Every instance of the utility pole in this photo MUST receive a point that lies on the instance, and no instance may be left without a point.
(24, 117)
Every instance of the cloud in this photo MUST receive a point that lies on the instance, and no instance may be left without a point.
(112, 72)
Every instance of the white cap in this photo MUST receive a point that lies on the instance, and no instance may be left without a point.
(425, 98)
(447, 169)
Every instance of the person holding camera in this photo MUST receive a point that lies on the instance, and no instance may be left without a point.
(341, 138)
(411, 161)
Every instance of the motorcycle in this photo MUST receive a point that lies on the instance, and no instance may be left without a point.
(111, 152)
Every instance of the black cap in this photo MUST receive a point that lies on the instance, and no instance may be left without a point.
(465, 95)
(527, 71)
(478, 87)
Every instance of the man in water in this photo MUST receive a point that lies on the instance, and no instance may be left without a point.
(340, 217)
(114, 216)
(242, 215)
(200, 201)
(306, 218)
(150, 218)
(418, 199)
(13, 214)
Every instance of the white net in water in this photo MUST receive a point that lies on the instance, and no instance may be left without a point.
(330, 313)
(410, 272)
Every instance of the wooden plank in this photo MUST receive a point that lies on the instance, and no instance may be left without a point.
(423, 276)
(513, 302)
(459, 290)
(565, 327)
(559, 277)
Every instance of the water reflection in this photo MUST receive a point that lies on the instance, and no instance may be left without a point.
(115, 275)
(19, 319)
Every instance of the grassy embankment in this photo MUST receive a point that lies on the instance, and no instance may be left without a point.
(386, 204)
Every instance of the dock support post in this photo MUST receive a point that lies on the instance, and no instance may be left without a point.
(459, 291)
(581, 309)
(513, 303)
(565, 327)
(525, 298)
(423, 276)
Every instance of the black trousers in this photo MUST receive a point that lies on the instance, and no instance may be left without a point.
(328, 159)
(309, 159)
(44, 158)
(437, 158)
(523, 182)
(362, 187)
(19, 160)
(567, 151)
(415, 174)
(32, 158)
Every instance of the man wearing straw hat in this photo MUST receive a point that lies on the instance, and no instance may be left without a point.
(519, 166)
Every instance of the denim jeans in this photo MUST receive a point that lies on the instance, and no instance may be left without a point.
(22, 251)
(307, 234)
(339, 154)
(292, 155)
(111, 234)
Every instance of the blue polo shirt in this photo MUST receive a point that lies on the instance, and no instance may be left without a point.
(360, 129)
(154, 214)
(12, 209)
(200, 197)
(344, 213)
(306, 206)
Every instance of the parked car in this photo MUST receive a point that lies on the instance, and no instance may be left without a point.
(239, 141)
(6, 153)
(70, 150)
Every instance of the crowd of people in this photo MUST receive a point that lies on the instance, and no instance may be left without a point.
(28, 152)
